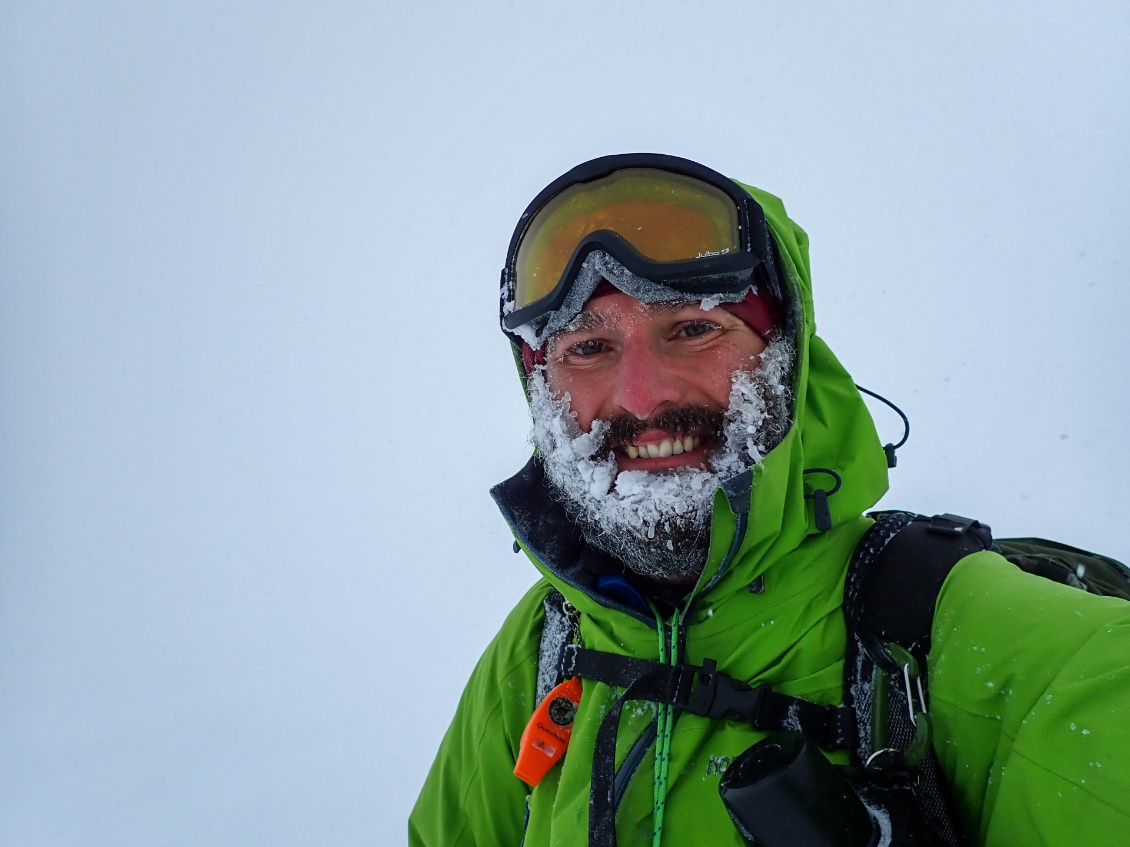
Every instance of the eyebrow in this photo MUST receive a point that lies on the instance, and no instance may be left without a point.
(583, 322)
(671, 306)
(591, 321)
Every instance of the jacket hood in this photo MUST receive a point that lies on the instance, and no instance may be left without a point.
(762, 517)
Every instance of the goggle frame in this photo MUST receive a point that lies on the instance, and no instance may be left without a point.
(754, 261)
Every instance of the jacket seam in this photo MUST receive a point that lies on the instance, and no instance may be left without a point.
(1071, 782)
(487, 721)
(1040, 696)
(1012, 736)
(502, 678)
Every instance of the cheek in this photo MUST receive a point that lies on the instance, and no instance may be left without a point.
(715, 378)
(583, 400)
(719, 390)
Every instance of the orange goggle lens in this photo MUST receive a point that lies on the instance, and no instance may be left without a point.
(664, 216)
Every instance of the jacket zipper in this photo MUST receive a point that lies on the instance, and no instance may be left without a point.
(670, 637)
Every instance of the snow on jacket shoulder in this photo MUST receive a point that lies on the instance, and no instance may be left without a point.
(1030, 698)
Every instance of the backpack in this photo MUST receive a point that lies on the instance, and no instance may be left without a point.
(892, 586)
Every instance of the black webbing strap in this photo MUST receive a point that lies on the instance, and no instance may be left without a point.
(612, 669)
(702, 691)
(709, 693)
(657, 685)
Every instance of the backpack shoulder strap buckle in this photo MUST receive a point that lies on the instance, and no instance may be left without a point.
(956, 526)
(948, 524)
(720, 696)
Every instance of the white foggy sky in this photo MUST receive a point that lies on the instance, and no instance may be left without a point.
(253, 392)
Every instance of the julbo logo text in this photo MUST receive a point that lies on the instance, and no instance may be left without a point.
(710, 253)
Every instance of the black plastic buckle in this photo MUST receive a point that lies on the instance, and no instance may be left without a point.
(948, 524)
(956, 526)
(721, 697)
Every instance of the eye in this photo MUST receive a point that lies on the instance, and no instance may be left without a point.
(586, 348)
(693, 329)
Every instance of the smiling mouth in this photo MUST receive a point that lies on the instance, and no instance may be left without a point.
(663, 449)
(664, 440)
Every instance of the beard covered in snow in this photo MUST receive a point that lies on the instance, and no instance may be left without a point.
(658, 523)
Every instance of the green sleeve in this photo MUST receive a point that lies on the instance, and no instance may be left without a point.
(1030, 698)
(471, 796)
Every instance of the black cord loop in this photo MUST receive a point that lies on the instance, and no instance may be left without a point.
(890, 449)
(830, 473)
(820, 498)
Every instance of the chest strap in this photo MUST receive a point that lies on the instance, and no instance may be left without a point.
(709, 693)
(702, 691)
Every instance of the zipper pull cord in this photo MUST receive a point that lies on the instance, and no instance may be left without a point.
(668, 654)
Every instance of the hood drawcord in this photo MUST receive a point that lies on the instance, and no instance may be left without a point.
(890, 449)
(820, 499)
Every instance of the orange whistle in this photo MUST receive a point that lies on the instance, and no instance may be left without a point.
(547, 734)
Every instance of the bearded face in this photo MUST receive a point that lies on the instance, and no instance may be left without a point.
(657, 522)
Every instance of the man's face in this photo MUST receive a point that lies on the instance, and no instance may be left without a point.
(630, 360)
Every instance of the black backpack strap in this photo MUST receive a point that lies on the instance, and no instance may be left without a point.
(891, 591)
(897, 573)
(708, 692)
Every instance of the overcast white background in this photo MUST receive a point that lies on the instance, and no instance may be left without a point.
(253, 393)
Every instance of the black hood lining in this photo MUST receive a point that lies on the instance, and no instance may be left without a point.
(538, 517)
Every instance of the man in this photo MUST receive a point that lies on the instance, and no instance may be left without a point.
(703, 468)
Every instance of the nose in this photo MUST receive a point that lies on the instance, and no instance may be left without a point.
(646, 382)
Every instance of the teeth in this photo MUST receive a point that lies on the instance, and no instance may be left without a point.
(666, 447)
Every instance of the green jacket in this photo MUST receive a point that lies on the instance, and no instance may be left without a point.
(1029, 684)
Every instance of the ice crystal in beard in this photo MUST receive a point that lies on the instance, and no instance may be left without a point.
(658, 523)
(758, 415)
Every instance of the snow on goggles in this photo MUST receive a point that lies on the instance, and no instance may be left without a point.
(666, 219)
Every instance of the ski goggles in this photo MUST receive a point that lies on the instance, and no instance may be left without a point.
(668, 220)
